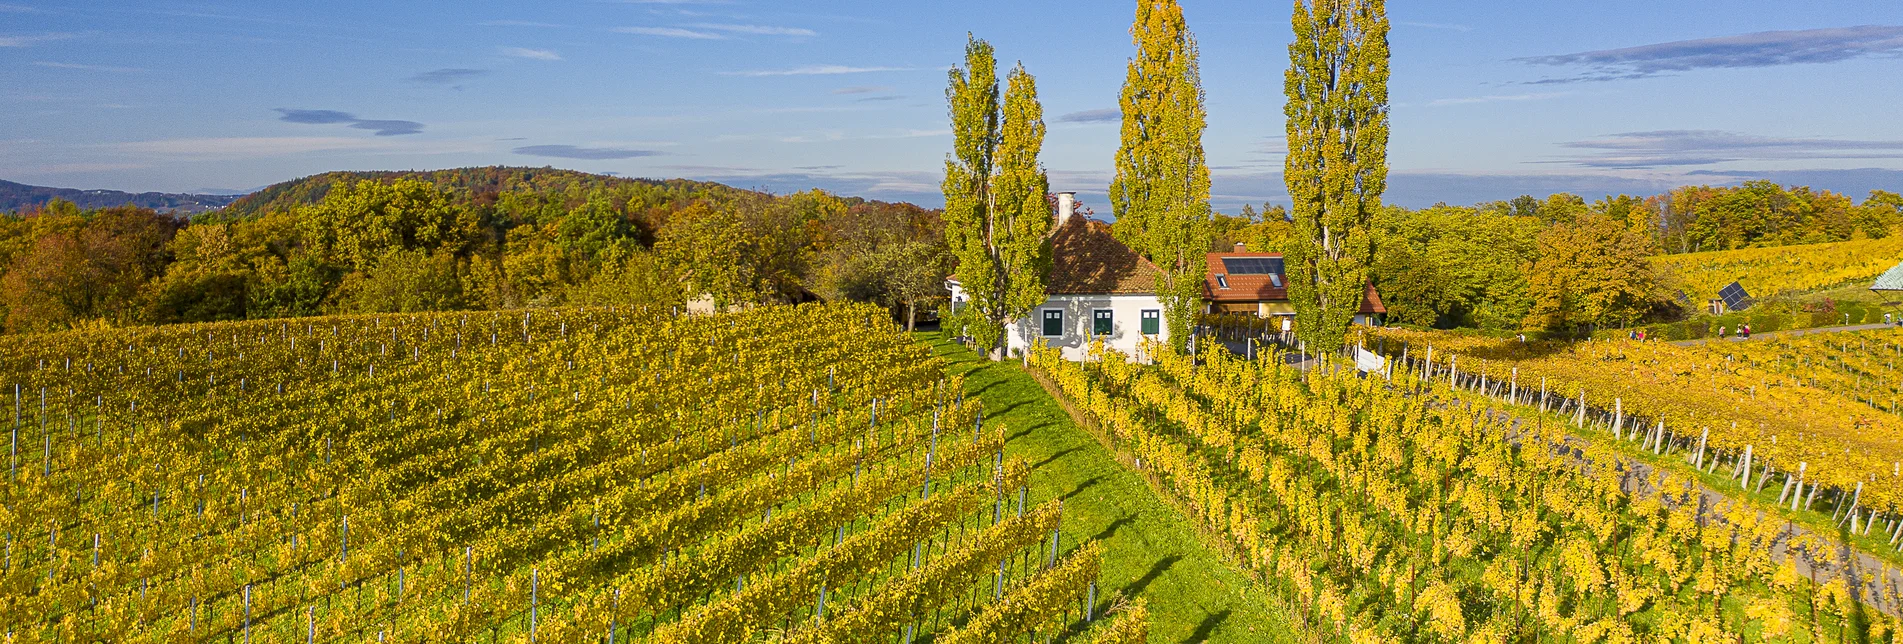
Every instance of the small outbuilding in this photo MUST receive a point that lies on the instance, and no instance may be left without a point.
(1257, 283)
(1891, 281)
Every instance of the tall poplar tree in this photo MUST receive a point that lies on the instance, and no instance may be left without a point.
(997, 219)
(1161, 191)
(1337, 166)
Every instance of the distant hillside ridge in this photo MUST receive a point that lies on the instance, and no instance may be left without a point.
(474, 186)
(16, 197)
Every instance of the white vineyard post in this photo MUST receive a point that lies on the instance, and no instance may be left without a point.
(1790, 478)
(1700, 463)
(1056, 538)
(1513, 389)
(1745, 482)
(13, 453)
(1851, 516)
(1543, 405)
(1090, 601)
(535, 574)
(247, 614)
(613, 614)
(1618, 418)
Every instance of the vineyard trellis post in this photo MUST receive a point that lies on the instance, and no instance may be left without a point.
(1618, 418)
(1702, 436)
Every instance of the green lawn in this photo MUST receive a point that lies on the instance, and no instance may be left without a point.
(1152, 551)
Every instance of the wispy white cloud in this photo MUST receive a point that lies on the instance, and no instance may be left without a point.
(90, 68)
(1763, 49)
(79, 168)
(1106, 115)
(816, 70)
(1436, 25)
(252, 147)
(1681, 148)
(531, 54)
(670, 32)
(521, 23)
(755, 30)
(1505, 98)
(862, 89)
(14, 8)
(29, 41)
(449, 76)
(584, 153)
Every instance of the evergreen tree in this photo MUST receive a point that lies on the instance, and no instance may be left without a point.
(996, 216)
(1161, 191)
(1337, 166)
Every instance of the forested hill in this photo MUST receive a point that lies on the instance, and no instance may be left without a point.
(480, 186)
(16, 197)
(471, 238)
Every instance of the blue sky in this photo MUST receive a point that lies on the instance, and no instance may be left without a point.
(1490, 99)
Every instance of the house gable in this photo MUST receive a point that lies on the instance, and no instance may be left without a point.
(1087, 260)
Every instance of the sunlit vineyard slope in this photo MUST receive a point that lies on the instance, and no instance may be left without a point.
(561, 476)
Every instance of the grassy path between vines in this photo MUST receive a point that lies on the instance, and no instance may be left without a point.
(1151, 551)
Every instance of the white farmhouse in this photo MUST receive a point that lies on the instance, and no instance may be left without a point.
(1098, 289)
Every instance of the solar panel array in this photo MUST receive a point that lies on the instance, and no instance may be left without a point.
(1253, 265)
(1735, 297)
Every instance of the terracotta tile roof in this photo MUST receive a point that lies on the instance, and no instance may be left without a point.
(1087, 260)
(1261, 287)
(1241, 288)
(1371, 302)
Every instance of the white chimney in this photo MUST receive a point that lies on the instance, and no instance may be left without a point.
(1066, 206)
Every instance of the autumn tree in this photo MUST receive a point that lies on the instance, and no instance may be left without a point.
(1161, 191)
(1880, 215)
(709, 246)
(996, 214)
(1591, 273)
(1337, 167)
(74, 276)
(356, 225)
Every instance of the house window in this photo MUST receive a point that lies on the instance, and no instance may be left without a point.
(1152, 322)
(1053, 322)
(1102, 322)
(1222, 281)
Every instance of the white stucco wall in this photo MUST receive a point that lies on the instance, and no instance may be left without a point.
(1079, 314)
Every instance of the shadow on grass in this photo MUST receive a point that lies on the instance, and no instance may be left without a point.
(1025, 432)
(1006, 409)
(1208, 627)
(1111, 530)
(1081, 487)
(1163, 565)
(1057, 455)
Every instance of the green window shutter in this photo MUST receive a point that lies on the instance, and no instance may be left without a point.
(1054, 322)
(1152, 322)
(1102, 322)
